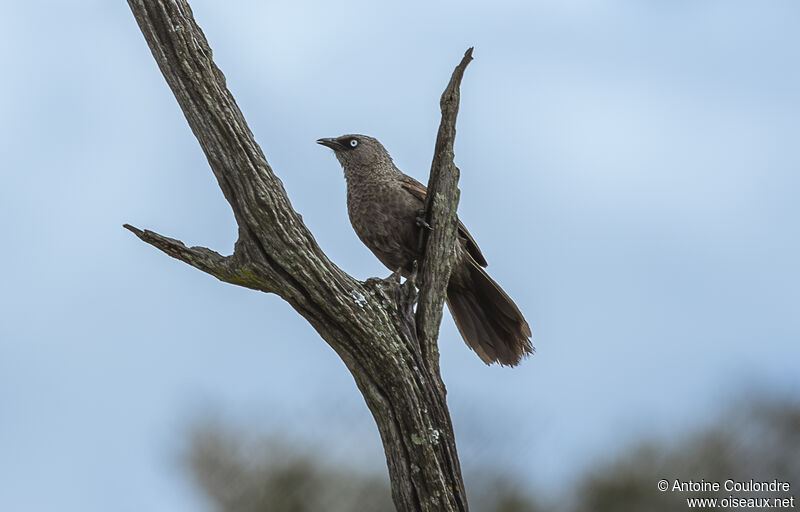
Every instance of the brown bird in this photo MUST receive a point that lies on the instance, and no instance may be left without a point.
(385, 206)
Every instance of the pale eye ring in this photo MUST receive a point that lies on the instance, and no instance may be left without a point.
(353, 143)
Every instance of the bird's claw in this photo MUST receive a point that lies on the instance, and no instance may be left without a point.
(413, 275)
(395, 276)
(421, 222)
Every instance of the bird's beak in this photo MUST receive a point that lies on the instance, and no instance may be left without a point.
(331, 143)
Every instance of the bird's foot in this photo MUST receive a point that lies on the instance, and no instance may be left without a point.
(421, 221)
(409, 289)
(395, 276)
(412, 277)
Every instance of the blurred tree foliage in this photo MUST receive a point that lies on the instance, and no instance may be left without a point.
(758, 440)
(246, 475)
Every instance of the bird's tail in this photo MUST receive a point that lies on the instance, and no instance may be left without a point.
(488, 320)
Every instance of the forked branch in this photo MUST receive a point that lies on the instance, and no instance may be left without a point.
(392, 358)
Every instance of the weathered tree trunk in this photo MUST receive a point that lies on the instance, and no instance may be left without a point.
(391, 352)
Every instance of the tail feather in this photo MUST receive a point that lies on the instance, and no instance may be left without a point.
(487, 318)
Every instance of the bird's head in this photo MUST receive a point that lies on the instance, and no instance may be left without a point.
(359, 153)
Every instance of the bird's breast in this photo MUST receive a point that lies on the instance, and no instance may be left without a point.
(383, 216)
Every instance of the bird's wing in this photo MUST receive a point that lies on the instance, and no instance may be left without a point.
(418, 190)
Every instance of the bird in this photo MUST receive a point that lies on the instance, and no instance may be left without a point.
(385, 207)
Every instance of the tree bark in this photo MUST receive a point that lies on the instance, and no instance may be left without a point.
(391, 352)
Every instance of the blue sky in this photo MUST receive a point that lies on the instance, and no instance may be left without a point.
(630, 170)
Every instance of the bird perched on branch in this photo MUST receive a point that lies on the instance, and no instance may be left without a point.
(385, 208)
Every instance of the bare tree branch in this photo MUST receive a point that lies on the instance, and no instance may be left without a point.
(224, 268)
(441, 203)
(370, 325)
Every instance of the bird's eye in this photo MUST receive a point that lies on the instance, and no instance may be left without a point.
(353, 143)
